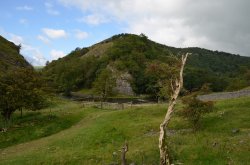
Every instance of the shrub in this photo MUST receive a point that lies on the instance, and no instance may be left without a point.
(194, 109)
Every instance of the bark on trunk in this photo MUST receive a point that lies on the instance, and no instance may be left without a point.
(176, 87)
(124, 150)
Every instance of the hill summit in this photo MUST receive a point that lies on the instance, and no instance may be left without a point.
(130, 54)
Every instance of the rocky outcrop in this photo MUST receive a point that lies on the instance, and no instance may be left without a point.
(123, 84)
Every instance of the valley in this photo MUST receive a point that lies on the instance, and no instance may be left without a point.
(84, 107)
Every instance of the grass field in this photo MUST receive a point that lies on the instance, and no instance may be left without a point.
(99, 134)
(33, 125)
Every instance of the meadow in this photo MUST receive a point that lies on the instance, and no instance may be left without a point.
(68, 133)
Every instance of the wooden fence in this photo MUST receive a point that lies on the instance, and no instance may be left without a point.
(107, 105)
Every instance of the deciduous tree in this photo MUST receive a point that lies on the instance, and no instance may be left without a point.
(104, 84)
(20, 88)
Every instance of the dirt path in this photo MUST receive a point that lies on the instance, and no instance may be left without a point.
(43, 143)
(224, 95)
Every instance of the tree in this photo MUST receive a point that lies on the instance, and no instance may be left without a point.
(20, 88)
(19, 47)
(176, 83)
(160, 75)
(104, 84)
(47, 63)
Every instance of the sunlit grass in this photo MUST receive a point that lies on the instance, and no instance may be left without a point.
(101, 133)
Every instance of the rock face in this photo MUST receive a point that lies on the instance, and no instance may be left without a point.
(123, 84)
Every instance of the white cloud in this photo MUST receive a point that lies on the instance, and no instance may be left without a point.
(23, 21)
(33, 55)
(54, 33)
(55, 54)
(50, 9)
(93, 19)
(43, 39)
(211, 24)
(16, 39)
(81, 34)
(25, 8)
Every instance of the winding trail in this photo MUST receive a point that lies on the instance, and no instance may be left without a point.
(43, 143)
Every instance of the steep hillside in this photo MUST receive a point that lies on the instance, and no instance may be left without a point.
(10, 56)
(128, 53)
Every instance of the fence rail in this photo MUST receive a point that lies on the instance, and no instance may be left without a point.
(107, 105)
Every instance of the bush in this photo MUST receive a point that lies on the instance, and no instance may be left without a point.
(194, 110)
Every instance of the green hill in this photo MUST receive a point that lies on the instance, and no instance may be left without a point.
(128, 53)
(10, 56)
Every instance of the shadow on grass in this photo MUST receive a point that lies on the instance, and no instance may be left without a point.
(34, 125)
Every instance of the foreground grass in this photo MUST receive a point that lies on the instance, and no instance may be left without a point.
(42, 123)
(97, 138)
(216, 143)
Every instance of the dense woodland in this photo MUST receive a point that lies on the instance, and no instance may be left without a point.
(219, 71)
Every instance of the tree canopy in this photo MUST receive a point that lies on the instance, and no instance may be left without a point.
(105, 83)
(20, 88)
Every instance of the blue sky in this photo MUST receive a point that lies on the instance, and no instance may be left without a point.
(48, 29)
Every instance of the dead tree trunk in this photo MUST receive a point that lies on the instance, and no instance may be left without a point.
(176, 87)
(124, 150)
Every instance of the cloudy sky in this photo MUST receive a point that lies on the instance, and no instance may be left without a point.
(49, 29)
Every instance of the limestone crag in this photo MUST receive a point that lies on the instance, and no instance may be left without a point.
(123, 84)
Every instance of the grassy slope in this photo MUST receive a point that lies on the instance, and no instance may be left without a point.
(102, 132)
(34, 125)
